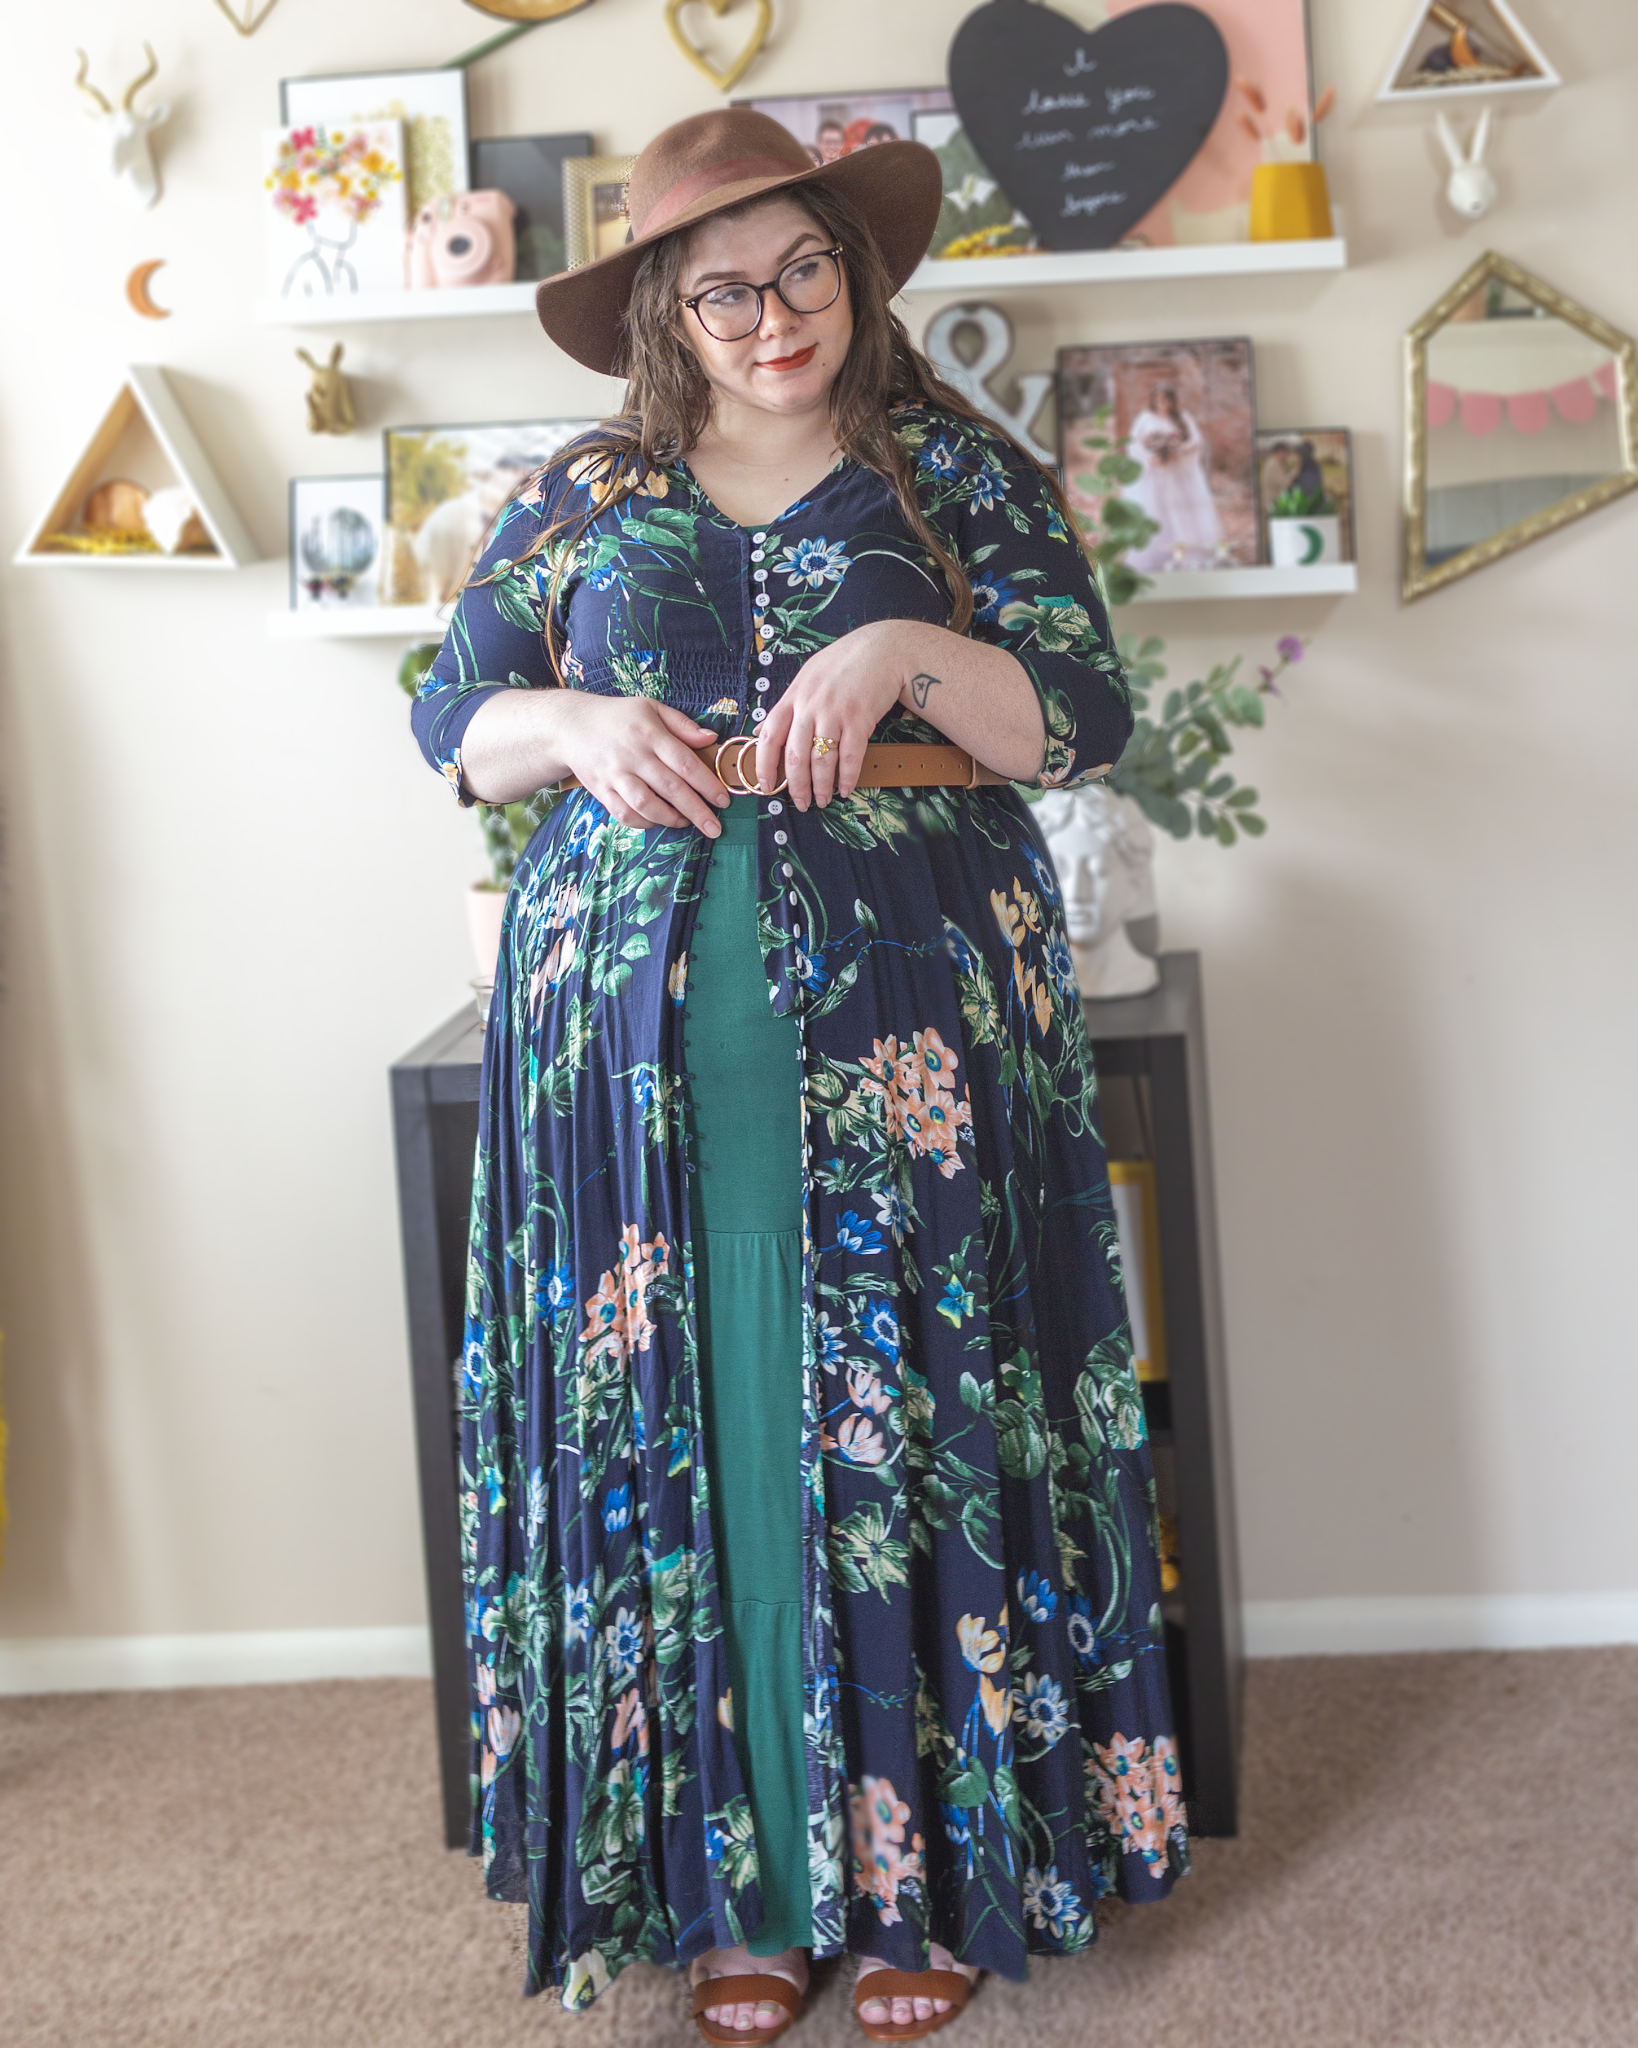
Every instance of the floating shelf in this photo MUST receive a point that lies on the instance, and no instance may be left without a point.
(369, 622)
(1130, 266)
(1330, 579)
(349, 309)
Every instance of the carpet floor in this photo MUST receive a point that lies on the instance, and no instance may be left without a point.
(1439, 1852)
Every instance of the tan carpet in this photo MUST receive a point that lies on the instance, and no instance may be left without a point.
(1439, 1853)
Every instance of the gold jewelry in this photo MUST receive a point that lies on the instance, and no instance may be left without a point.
(822, 746)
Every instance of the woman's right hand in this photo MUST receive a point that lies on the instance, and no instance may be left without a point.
(639, 759)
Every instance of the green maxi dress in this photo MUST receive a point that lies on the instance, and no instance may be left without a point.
(744, 1102)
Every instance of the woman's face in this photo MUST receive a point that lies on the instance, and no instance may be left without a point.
(788, 363)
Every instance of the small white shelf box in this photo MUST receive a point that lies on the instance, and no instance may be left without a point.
(348, 309)
(407, 622)
(1329, 579)
(1130, 266)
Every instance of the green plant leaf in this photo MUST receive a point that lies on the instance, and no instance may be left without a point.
(1249, 822)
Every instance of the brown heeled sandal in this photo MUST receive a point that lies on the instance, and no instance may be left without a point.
(891, 1984)
(748, 1990)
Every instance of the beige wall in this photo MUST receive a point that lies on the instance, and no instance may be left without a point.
(234, 893)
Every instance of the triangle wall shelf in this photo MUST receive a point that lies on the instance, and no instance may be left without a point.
(1471, 29)
(144, 410)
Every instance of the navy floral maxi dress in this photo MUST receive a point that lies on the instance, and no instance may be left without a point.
(988, 1733)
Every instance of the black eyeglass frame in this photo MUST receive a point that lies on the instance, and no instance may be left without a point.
(773, 285)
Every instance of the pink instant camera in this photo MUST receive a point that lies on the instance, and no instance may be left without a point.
(463, 238)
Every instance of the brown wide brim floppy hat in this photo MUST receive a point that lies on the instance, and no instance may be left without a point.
(714, 161)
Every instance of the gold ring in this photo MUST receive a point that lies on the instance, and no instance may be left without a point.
(822, 746)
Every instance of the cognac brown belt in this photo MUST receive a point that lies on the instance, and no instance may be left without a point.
(885, 767)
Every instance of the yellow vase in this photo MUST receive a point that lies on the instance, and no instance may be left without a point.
(1289, 203)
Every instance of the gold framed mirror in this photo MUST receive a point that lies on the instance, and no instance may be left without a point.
(1521, 414)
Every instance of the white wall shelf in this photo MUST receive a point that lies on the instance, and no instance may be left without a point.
(1130, 266)
(407, 622)
(1329, 579)
(979, 273)
(348, 309)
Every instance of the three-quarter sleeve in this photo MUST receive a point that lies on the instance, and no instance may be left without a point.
(1034, 592)
(498, 636)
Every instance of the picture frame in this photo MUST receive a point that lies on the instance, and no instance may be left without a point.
(445, 488)
(1197, 446)
(337, 532)
(595, 221)
(1318, 464)
(834, 124)
(333, 208)
(430, 103)
(976, 218)
(529, 170)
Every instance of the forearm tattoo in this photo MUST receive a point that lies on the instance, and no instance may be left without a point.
(920, 686)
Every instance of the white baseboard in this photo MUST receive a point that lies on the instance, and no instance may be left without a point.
(261, 1657)
(1377, 1624)
(1362, 1626)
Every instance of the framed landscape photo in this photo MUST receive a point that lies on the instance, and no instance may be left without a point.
(529, 170)
(1185, 412)
(431, 105)
(595, 221)
(336, 530)
(446, 487)
(1305, 493)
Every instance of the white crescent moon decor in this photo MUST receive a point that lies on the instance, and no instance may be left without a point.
(246, 16)
(137, 294)
(726, 78)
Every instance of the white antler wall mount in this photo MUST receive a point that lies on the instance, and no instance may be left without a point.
(126, 132)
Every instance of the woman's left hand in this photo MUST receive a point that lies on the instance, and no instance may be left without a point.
(841, 694)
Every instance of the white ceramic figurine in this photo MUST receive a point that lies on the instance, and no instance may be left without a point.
(1471, 187)
(1103, 850)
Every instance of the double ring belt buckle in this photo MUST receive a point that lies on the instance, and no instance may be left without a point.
(732, 775)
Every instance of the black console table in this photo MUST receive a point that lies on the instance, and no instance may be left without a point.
(1150, 1053)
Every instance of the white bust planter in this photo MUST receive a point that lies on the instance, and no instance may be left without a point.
(1103, 850)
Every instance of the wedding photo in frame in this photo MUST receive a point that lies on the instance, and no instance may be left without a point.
(1185, 411)
(834, 124)
(446, 487)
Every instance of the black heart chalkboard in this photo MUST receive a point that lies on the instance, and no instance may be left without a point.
(1086, 129)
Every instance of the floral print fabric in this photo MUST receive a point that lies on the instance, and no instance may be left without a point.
(988, 1733)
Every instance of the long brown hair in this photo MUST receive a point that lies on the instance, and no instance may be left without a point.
(668, 398)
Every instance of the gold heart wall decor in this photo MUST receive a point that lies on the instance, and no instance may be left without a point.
(724, 81)
(247, 17)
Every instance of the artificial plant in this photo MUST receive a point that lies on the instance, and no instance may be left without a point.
(1172, 767)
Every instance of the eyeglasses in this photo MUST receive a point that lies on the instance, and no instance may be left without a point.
(807, 284)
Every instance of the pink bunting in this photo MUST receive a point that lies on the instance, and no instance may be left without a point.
(1481, 412)
(1577, 401)
(1604, 380)
(1529, 411)
(1441, 404)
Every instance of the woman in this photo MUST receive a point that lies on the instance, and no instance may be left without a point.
(1174, 488)
(813, 1596)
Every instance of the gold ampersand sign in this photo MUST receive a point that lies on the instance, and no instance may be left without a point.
(723, 80)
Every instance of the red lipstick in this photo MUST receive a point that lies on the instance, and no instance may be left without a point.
(799, 361)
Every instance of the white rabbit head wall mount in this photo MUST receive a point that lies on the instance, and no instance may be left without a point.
(1471, 187)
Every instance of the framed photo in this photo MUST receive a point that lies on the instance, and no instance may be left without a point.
(529, 170)
(431, 105)
(1305, 493)
(595, 222)
(833, 124)
(977, 218)
(1185, 412)
(333, 210)
(446, 487)
(336, 532)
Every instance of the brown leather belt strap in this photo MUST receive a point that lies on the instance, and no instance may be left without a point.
(885, 767)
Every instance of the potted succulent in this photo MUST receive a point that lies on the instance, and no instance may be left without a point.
(507, 830)
(1303, 528)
